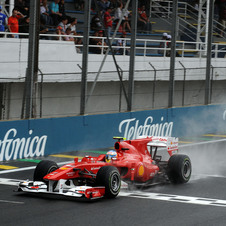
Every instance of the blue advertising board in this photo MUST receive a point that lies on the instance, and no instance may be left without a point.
(39, 137)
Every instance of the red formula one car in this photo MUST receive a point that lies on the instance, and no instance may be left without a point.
(134, 162)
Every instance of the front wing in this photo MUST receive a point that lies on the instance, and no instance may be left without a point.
(69, 191)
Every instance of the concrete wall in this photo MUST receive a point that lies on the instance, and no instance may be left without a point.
(59, 60)
(63, 99)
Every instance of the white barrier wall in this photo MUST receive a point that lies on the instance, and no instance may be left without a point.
(59, 62)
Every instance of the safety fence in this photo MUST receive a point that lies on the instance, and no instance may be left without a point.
(63, 99)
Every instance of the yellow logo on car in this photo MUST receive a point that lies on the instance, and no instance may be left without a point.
(141, 171)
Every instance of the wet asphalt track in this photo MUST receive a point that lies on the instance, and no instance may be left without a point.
(202, 201)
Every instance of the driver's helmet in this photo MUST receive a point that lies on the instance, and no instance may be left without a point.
(110, 154)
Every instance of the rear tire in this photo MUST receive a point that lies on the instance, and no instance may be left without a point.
(109, 177)
(179, 169)
(43, 168)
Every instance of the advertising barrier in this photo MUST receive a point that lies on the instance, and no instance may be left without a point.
(39, 137)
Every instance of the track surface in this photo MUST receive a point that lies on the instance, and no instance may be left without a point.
(202, 201)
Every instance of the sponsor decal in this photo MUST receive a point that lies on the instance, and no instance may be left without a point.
(13, 147)
(133, 129)
(161, 139)
(172, 143)
(92, 192)
(70, 174)
(141, 171)
(153, 173)
(95, 168)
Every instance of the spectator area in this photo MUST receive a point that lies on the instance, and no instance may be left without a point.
(160, 21)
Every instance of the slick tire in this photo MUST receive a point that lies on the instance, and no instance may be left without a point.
(109, 177)
(179, 169)
(43, 168)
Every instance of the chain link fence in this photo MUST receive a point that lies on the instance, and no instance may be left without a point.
(63, 99)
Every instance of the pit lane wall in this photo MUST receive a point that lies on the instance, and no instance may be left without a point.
(39, 137)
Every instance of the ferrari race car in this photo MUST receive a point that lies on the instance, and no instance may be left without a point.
(134, 162)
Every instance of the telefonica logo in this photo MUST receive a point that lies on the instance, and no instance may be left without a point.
(14, 148)
(132, 128)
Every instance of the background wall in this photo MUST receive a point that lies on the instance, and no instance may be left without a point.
(38, 137)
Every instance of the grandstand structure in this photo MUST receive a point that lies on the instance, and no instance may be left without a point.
(61, 66)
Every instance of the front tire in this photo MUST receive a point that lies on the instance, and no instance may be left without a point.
(179, 169)
(109, 177)
(43, 168)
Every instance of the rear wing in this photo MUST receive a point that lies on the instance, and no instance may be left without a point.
(170, 143)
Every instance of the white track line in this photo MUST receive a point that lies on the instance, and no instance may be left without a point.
(201, 143)
(13, 182)
(13, 202)
(206, 175)
(175, 198)
(28, 168)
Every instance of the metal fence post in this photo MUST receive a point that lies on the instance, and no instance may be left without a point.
(132, 55)
(173, 53)
(154, 85)
(209, 52)
(85, 56)
(32, 68)
(183, 91)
